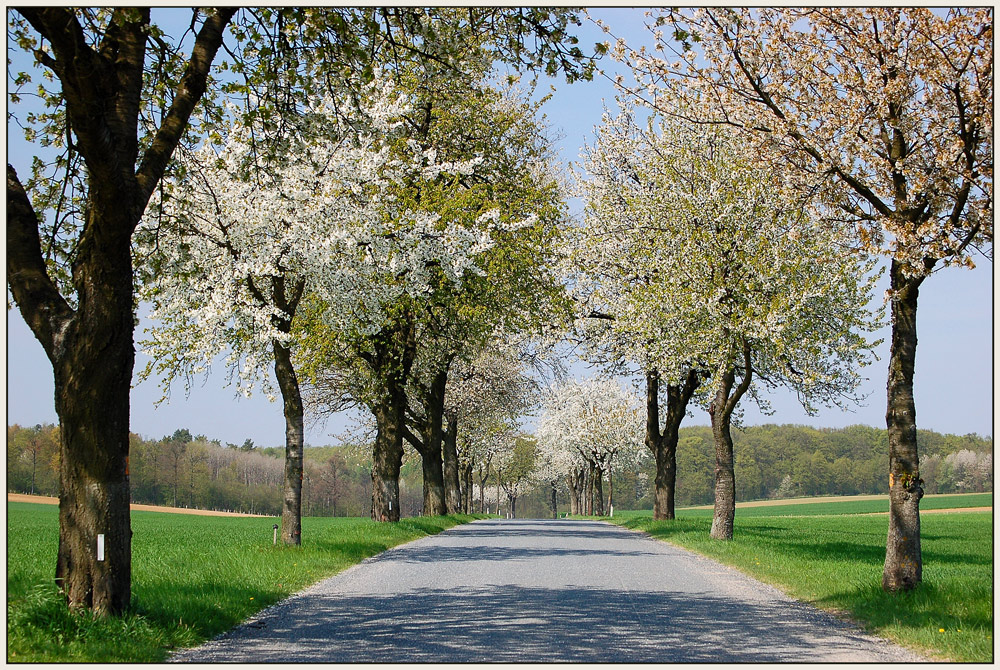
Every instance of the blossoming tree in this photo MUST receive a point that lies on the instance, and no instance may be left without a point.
(233, 249)
(585, 426)
(736, 277)
(611, 265)
(887, 113)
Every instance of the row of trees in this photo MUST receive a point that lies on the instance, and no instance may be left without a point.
(771, 462)
(351, 119)
(352, 201)
(862, 131)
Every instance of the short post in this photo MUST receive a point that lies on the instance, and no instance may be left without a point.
(275, 534)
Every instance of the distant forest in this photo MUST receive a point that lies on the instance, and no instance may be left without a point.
(772, 461)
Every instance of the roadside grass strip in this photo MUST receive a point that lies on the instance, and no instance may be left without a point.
(193, 577)
(835, 563)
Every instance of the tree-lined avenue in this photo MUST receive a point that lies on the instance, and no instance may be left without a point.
(542, 591)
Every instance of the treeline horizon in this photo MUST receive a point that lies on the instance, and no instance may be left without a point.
(771, 460)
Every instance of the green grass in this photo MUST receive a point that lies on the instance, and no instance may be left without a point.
(835, 563)
(852, 506)
(193, 577)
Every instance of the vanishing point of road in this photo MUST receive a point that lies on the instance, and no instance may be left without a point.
(542, 591)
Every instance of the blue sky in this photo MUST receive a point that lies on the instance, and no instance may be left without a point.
(954, 371)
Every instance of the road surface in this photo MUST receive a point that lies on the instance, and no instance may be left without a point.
(542, 591)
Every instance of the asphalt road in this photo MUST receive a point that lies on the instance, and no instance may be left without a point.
(542, 591)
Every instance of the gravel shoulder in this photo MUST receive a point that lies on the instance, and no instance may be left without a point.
(543, 591)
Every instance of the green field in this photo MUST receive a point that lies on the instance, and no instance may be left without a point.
(834, 561)
(193, 578)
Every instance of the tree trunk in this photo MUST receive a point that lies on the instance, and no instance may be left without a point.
(903, 562)
(430, 446)
(291, 509)
(387, 459)
(725, 477)
(391, 361)
(664, 445)
(467, 489)
(92, 381)
(574, 498)
(482, 488)
(449, 455)
(434, 504)
(611, 489)
(721, 410)
(597, 476)
(555, 510)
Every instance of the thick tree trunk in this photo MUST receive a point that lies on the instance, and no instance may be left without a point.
(449, 455)
(391, 361)
(664, 445)
(555, 511)
(291, 510)
(92, 382)
(903, 562)
(387, 458)
(431, 453)
(574, 494)
(434, 504)
(721, 410)
(597, 477)
(90, 346)
(725, 477)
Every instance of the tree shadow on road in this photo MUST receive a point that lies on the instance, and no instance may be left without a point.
(520, 624)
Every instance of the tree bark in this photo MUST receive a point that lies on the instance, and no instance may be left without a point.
(433, 484)
(721, 410)
(575, 480)
(467, 489)
(392, 359)
(449, 455)
(903, 562)
(432, 430)
(725, 477)
(387, 459)
(555, 511)
(597, 477)
(664, 444)
(291, 510)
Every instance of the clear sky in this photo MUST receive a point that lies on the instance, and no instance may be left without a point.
(954, 370)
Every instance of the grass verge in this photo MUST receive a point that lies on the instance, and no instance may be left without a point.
(193, 577)
(835, 563)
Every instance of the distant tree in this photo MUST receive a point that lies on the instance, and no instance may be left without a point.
(181, 435)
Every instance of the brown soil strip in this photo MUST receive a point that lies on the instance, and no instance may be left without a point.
(950, 510)
(820, 499)
(47, 500)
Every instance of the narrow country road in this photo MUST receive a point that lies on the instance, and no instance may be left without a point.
(542, 591)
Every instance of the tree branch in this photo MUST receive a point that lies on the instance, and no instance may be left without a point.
(41, 304)
(189, 91)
